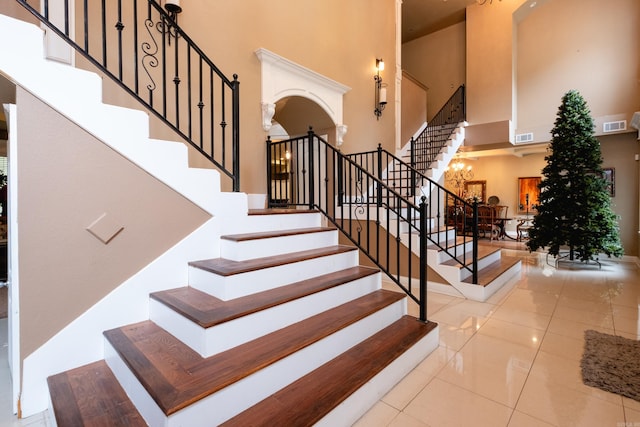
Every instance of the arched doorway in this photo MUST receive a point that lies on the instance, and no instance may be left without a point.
(293, 118)
(285, 83)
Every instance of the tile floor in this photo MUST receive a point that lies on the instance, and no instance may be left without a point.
(512, 361)
(515, 360)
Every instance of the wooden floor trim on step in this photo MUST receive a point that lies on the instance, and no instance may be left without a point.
(207, 310)
(307, 400)
(91, 396)
(488, 274)
(176, 376)
(227, 267)
(279, 233)
(281, 211)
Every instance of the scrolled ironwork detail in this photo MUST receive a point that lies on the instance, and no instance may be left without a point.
(359, 203)
(150, 51)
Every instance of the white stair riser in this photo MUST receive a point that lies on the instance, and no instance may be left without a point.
(482, 293)
(259, 248)
(238, 285)
(352, 408)
(263, 223)
(482, 263)
(208, 342)
(237, 397)
(143, 402)
(458, 251)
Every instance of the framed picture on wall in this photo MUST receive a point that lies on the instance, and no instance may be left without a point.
(610, 177)
(528, 193)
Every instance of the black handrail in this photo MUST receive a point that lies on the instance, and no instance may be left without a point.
(307, 171)
(445, 208)
(426, 147)
(141, 48)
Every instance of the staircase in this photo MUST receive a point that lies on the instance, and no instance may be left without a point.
(447, 253)
(277, 324)
(306, 336)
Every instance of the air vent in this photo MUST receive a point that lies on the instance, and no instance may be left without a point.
(614, 126)
(523, 138)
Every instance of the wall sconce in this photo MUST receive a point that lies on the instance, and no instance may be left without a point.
(380, 90)
(173, 9)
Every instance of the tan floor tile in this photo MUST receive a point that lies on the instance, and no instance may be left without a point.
(562, 406)
(631, 404)
(625, 295)
(566, 347)
(533, 301)
(403, 392)
(490, 367)
(518, 419)
(523, 318)
(570, 328)
(603, 306)
(517, 334)
(542, 284)
(631, 418)
(380, 415)
(435, 361)
(453, 337)
(444, 404)
(554, 368)
(591, 318)
(404, 420)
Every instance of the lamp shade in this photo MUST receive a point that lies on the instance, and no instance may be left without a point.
(173, 6)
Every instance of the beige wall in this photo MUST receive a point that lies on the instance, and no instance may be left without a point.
(337, 39)
(414, 107)
(489, 55)
(588, 45)
(519, 61)
(618, 151)
(67, 179)
(437, 61)
(12, 8)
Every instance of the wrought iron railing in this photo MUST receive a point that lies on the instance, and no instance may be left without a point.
(140, 47)
(446, 211)
(392, 230)
(426, 147)
(308, 172)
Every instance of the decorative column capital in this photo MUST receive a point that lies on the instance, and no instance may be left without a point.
(268, 110)
(341, 130)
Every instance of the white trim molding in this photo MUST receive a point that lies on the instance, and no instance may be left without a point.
(282, 78)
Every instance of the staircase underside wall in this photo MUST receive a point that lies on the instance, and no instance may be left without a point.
(68, 181)
(432, 275)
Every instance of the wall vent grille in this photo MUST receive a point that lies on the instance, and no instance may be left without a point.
(523, 138)
(614, 126)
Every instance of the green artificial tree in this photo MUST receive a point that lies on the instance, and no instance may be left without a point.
(574, 218)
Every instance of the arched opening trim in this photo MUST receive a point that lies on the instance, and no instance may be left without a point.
(283, 78)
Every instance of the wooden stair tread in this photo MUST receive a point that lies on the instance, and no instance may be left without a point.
(91, 396)
(307, 400)
(176, 376)
(494, 270)
(280, 211)
(227, 267)
(483, 251)
(207, 310)
(279, 233)
(450, 243)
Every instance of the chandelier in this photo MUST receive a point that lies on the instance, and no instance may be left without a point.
(456, 174)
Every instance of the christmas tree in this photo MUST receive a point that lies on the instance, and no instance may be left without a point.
(574, 212)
